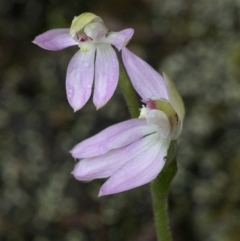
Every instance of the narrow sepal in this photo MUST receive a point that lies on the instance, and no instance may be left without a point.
(55, 39)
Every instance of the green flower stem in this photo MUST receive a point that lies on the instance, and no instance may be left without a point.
(160, 188)
(128, 91)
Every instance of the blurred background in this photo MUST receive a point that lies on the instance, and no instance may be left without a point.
(197, 43)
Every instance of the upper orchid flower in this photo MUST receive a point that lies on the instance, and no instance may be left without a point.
(133, 152)
(91, 35)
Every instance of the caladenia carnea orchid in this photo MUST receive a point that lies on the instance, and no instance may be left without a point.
(132, 153)
(95, 60)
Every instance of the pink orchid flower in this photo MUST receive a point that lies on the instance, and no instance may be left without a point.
(132, 153)
(91, 35)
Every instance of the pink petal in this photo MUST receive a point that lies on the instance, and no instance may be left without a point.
(113, 137)
(120, 39)
(106, 164)
(79, 78)
(138, 171)
(146, 81)
(55, 39)
(106, 74)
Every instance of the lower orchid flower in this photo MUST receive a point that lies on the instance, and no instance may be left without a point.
(132, 153)
(92, 37)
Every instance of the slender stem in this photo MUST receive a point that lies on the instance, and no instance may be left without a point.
(160, 188)
(128, 92)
